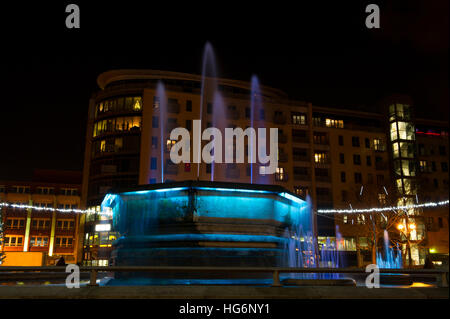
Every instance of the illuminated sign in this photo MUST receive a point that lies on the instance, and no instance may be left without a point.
(102, 227)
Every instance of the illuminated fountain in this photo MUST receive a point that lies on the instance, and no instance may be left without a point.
(390, 258)
(199, 223)
(213, 223)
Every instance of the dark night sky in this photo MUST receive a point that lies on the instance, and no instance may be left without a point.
(322, 54)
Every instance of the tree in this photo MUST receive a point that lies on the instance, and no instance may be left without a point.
(373, 224)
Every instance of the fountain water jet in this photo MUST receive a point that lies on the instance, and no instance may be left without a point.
(389, 259)
(255, 108)
(161, 94)
(208, 88)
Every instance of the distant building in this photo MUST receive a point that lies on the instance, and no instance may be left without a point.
(33, 237)
(327, 153)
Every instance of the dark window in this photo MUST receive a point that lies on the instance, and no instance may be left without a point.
(358, 178)
(155, 122)
(440, 222)
(369, 160)
(367, 142)
(436, 183)
(442, 150)
(355, 141)
(154, 142)
(444, 166)
(152, 181)
(153, 163)
(433, 166)
(341, 140)
(188, 125)
(343, 177)
(247, 112)
(188, 106)
(262, 115)
(356, 159)
(341, 158)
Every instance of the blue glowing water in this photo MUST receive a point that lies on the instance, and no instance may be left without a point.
(390, 258)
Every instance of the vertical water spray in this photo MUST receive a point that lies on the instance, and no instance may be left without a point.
(208, 87)
(255, 110)
(161, 95)
(391, 258)
(219, 115)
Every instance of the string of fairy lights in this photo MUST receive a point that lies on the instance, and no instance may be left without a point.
(39, 208)
(319, 211)
(382, 209)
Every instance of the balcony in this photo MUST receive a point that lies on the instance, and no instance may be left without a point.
(321, 140)
(173, 107)
(301, 158)
(326, 179)
(171, 169)
(279, 119)
(300, 139)
(302, 177)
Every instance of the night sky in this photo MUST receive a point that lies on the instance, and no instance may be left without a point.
(322, 54)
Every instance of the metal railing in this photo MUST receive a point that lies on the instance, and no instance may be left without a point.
(441, 274)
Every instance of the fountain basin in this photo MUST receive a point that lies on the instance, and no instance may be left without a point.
(197, 223)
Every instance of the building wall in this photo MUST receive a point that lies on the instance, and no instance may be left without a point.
(433, 157)
(54, 234)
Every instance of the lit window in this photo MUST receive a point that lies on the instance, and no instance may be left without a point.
(298, 118)
(424, 167)
(361, 219)
(378, 144)
(279, 174)
(334, 123)
(15, 223)
(137, 105)
(102, 146)
(301, 190)
(170, 143)
(118, 143)
(320, 157)
(39, 241)
(13, 241)
(382, 198)
(63, 241)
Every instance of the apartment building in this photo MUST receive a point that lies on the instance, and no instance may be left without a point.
(40, 237)
(333, 155)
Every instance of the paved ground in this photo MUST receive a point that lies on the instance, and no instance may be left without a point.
(219, 292)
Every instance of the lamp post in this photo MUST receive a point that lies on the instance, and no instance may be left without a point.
(406, 229)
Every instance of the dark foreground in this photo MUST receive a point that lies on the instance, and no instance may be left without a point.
(218, 292)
